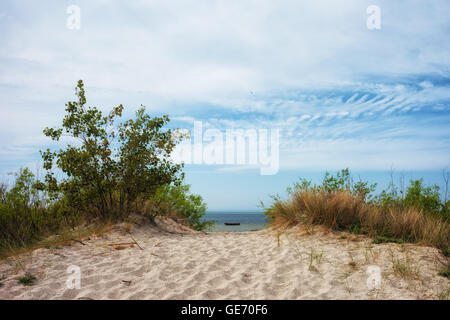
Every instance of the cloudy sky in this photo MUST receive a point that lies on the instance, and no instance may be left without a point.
(340, 94)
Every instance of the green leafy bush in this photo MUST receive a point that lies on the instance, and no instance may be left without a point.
(109, 170)
(110, 166)
(177, 201)
(423, 197)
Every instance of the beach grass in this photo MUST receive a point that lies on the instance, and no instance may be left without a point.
(340, 206)
(28, 279)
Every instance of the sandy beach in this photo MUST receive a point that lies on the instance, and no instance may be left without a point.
(171, 261)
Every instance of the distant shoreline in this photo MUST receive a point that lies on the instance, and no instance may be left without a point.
(248, 221)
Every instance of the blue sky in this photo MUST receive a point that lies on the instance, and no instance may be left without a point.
(342, 95)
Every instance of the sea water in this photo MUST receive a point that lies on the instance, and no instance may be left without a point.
(248, 220)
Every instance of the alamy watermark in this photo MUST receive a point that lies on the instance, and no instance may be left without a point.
(253, 147)
(73, 21)
(373, 282)
(374, 19)
(74, 279)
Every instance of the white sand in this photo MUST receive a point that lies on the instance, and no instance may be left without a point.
(182, 264)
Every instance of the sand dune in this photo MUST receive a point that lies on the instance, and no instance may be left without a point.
(177, 263)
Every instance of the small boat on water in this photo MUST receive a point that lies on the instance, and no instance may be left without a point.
(232, 223)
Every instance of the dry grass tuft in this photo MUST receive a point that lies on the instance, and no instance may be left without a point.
(341, 210)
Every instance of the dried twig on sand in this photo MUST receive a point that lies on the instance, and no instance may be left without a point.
(122, 247)
(78, 241)
(121, 244)
(135, 241)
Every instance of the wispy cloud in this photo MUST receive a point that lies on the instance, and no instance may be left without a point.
(341, 94)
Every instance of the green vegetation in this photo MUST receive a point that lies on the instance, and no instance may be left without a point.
(314, 258)
(404, 268)
(415, 215)
(381, 239)
(26, 213)
(445, 272)
(179, 202)
(113, 166)
(28, 279)
(108, 170)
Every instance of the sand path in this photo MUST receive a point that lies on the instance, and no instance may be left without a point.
(180, 264)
